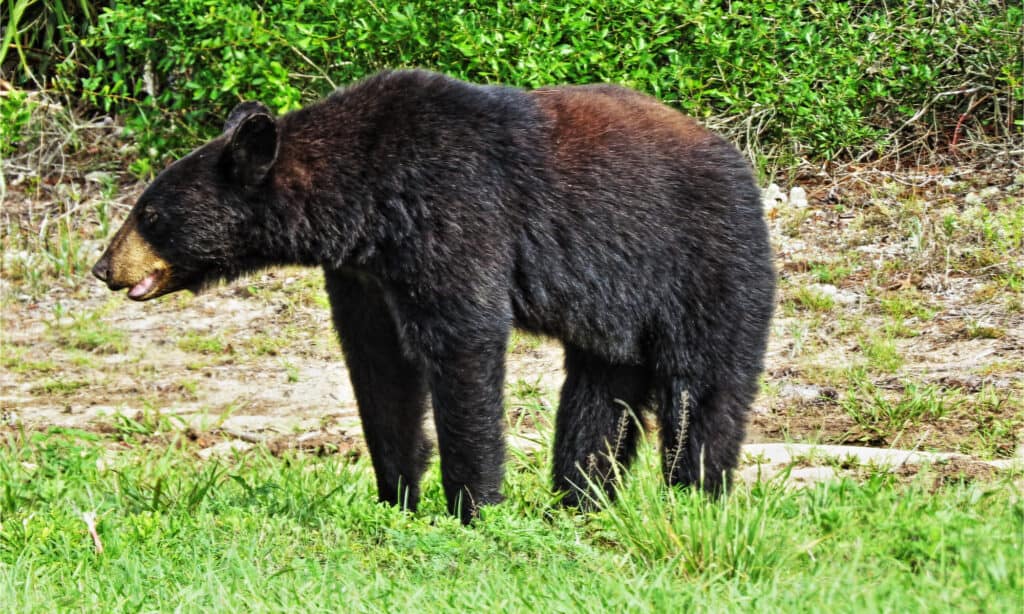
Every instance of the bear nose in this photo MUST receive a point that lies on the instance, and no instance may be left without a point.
(102, 270)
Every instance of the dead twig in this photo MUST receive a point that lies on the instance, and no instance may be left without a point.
(90, 524)
(243, 435)
(963, 116)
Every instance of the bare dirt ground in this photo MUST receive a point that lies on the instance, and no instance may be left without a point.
(900, 324)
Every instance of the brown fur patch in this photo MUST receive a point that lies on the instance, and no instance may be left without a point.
(594, 119)
(292, 177)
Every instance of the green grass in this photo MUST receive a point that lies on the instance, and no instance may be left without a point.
(978, 330)
(202, 344)
(519, 341)
(908, 304)
(12, 357)
(830, 273)
(263, 344)
(87, 331)
(881, 354)
(871, 408)
(813, 300)
(258, 533)
(59, 386)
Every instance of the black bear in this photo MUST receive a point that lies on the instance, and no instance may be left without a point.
(445, 213)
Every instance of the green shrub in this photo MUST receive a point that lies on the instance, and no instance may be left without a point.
(15, 113)
(38, 33)
(805, 78)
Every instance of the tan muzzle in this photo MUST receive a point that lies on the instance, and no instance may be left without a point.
(130, 262)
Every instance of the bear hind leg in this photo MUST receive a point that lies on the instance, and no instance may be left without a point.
(597, 425)
(702, 432)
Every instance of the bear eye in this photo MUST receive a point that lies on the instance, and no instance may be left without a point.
(150, 215)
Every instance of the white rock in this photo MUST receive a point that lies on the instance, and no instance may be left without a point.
(844, 297)
(763, 461)
(224, 448)
(99, 177)
(798, 197)
(800, 392)
(972, 198)
(782, 453)
(772, 197)
(524, 444)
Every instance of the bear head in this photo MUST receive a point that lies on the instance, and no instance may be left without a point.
(200, 219)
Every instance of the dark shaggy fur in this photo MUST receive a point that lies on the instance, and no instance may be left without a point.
(444, 214)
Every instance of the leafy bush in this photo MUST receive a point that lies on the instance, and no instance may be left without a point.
(805, 78)
(36, 34)
(15, 113)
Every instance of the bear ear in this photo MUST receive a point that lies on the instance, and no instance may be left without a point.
(243, 110)
(252, 144)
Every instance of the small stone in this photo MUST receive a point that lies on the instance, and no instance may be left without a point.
(100, 177)
(772, 197)
(224, 448)
(1018, 179)
(972, 198)
(844, 297)
(800, 392)
(523, 444)
(798, 197)
(990, 192)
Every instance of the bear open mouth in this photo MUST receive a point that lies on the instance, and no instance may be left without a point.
(147, 287)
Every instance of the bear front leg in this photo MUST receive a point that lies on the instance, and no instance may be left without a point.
(390, 386)
(468, 412)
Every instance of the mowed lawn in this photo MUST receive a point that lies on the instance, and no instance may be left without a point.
(303, 533)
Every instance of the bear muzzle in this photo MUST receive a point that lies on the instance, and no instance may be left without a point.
(130, 262)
